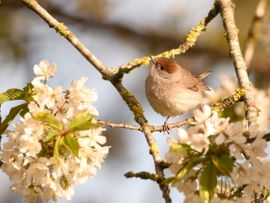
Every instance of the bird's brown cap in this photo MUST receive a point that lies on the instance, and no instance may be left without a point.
(169, 65)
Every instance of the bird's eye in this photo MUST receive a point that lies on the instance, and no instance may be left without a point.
(162, 68)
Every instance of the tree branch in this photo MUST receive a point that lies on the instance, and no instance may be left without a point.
(145, 176)
(220, 106)
(146, 36)
(254, 31)
(153, 128)
(107, 74)
(190, 40)
(117, 125)
(67, 34)
(226, 9)
(149, 36)
(229, 101)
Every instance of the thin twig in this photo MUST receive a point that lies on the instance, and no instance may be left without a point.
(118, 125)
(229, 101)
(266, 137)
(67, 34)
(171, 125)
(227, 14)
(254, 31)
(152, 128)
(220, 106)
(190, 40)
(145, 176)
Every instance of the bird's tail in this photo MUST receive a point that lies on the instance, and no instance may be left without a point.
(203, 75)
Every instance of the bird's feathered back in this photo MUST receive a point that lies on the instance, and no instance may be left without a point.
(195, 83)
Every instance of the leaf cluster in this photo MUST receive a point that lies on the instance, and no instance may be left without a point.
(208, 166)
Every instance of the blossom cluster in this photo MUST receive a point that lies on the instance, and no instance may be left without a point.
(231, 154)
(56, 143)
(237, 112)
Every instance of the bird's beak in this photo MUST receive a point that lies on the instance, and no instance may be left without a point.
(154, 61)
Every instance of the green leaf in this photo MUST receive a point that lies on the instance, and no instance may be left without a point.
(27, 90)
(224, 163)
(64, 182)
(82, 121)
(50, 135)
(56, 147)
(11, 94)
(208, 182)
(49, 119)
(180, 148)
(184, 170)
(12, 114)
(230, 112)
(71, 144)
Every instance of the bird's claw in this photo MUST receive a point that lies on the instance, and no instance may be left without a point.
(166, 128)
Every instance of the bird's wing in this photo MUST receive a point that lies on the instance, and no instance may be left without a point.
(195, 83)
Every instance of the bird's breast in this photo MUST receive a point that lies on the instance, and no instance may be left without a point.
(170, 99)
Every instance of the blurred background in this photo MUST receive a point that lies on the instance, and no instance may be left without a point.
(117, 31)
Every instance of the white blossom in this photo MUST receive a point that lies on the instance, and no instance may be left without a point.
(228, 87)
(43, 71)
(244, 143)
(43, 169)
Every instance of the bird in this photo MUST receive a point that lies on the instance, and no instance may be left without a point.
(173, 90)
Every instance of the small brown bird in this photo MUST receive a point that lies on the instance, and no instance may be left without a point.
(172, 90)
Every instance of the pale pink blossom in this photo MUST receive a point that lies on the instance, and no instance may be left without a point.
(38, 170)
(43, 71)
(243, 142)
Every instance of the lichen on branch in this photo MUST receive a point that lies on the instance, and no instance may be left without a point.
(189, 42)
(227, 15)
